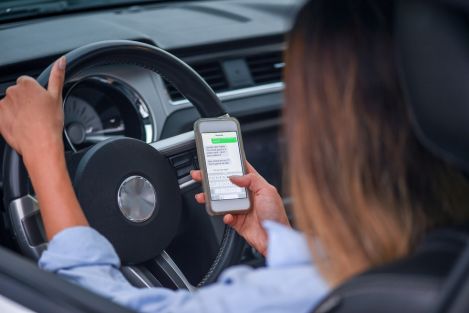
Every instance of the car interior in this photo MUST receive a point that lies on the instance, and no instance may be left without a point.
(140, 73)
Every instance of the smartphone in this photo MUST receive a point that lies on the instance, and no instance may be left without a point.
(221, 155)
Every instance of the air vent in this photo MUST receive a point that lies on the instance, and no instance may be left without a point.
(211, 72)
(266, 68)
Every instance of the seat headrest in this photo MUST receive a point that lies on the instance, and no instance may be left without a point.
(433, 50)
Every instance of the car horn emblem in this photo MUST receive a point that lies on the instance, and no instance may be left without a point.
(137, 199)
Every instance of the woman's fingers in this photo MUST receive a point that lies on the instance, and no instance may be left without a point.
(241, 181)
(252, 181)
(56, 78)
(229, 219)
(200, 198)
(22, 79)
(196, 175)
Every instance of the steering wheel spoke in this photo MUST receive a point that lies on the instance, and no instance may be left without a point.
(161, 271)
(27, 225)
(180, 150)
(170, 274)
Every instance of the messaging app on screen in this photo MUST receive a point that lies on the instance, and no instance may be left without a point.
(223, 159)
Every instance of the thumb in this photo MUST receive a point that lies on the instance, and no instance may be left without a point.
(252, 181)
(56, 78)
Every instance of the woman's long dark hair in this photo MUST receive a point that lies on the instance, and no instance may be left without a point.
(361, 182)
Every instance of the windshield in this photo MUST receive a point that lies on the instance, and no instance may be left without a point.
(23, 9)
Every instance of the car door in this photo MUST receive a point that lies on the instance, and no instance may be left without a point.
(26, 288)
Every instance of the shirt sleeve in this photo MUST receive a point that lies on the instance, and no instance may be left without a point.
(83, 256)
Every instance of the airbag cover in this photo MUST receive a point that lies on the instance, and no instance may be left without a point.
(100, 174)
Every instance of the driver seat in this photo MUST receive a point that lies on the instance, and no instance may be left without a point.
(433, 47)
(415, 284)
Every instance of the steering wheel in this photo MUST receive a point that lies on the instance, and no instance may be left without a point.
(128, 189)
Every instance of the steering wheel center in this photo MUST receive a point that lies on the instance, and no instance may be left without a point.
(129, 193)
(137, 199)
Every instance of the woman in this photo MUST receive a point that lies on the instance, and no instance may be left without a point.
(365, 191)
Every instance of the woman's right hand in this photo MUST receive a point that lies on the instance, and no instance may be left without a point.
(266, 204)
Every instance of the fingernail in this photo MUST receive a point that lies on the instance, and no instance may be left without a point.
(62, 63)
(234, 176)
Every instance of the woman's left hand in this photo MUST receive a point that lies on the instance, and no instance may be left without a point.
(31, 121)
(40, 127)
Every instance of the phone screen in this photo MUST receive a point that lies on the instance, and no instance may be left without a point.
(223, 159)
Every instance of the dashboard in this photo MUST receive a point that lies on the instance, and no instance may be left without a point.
(236, 46)
(99, 107)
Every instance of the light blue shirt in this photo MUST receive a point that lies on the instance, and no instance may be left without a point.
(289, 283)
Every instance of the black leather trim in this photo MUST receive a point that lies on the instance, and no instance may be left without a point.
(455, 297)
(413, 284)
